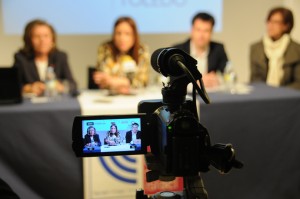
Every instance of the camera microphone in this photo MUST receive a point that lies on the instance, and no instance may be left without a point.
(175, 62)
(166, 61)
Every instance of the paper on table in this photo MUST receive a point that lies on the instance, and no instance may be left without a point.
(237, 89)
(39, 100)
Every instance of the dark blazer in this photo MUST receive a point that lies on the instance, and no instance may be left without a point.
(128, 136)
(57, 59)
(87, 139)
(291, 66)
(217, 58)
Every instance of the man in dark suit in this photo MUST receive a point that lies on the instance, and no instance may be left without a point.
(134, 134)
(211, 56)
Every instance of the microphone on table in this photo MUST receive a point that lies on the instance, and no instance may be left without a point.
(129, 66)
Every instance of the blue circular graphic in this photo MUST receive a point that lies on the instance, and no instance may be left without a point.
(121, 167)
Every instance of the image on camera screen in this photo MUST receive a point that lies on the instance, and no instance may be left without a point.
(112, 135)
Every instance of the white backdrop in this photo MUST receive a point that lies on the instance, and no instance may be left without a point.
(98, 17)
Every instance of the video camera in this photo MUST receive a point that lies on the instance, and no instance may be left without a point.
(180, 145)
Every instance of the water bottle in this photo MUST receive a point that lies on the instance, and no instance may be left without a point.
(230, 78)
(51, 91)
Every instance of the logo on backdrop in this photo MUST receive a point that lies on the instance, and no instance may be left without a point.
(122, 168)
(154, 3)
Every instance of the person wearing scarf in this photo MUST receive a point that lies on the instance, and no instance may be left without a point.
(275, 59)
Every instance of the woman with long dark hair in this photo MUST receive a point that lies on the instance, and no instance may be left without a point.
(113, 136)
(123, 62)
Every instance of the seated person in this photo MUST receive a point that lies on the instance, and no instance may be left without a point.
(133, 136)
(91, 138)
(113, 136)
(275, 59)
(40, 52)
(210, 55)
(122, 62)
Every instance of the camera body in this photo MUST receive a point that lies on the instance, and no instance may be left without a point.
(176, 138)
(178, 142)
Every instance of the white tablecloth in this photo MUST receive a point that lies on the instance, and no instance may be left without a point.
(96, 102)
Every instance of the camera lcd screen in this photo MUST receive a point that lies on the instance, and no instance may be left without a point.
(111, 135)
